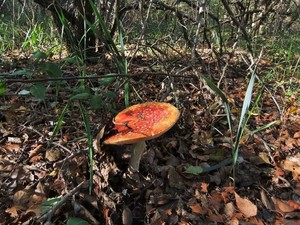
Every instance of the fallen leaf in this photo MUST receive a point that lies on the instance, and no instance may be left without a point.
(35, 151)
(290, 222)
(282, 206)
(233, 221)
(216, 200)
(12, 147)
(293, 204)
(126, 216)
(12, 211)
(255, 221)
(21, 198)
(229, 210)
(196, 208)
(15, 140)
(245, 206)
(97, 141)
(36, 158)
(292, 164)
(217, 218)
(53, 154)
(174, 179)
(266, 201)
(264, 157)
(297, 134)
(204, 187)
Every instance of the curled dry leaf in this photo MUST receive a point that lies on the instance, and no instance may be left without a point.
(97, 141)
(245, 206)
(266, 201)
(35, 151)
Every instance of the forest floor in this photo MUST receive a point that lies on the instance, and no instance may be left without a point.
(48, 183)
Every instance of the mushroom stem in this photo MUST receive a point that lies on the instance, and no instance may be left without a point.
(136, 156)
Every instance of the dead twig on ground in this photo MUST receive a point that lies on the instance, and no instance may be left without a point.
(48, 216)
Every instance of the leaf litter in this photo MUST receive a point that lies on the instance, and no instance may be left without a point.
(42, 183)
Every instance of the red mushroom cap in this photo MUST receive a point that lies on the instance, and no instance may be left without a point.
(143, 122)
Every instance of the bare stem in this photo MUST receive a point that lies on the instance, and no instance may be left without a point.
(136, 156)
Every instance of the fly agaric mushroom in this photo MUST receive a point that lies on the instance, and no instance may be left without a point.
(139, 123)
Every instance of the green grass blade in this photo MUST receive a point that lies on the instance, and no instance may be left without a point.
(2, 87)
(266, 126)
(243, 120)
(59, 122)
(106, 37)
(124, 66)
(126, 94)
(86, 121)
(223, 97)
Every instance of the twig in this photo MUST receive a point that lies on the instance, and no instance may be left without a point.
(47, 216)
(61, 146)
(87, 77)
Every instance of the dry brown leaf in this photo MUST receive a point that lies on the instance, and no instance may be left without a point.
(225, 196)
(12, 147)
(245, 206)
(36, 158)
(233, 221)
(216, 200)
(282, 206)
(292, 164)
(15, 140)
(290, 222)
(265, 200)
(35, 151)
(255, 221)
(229, 210)
(12, 211)
(197, 194)
(217, 218)
(196, 208)
(36, 209)
(97, 141)
(297, 134)
(204, 187)
(174, 179)
(229, 189)
(293, 204)
(53, 154)
(21, 198)
(264, 157)
(58, 185)
(182, 222)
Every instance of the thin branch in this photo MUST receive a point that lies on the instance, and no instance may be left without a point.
(90, 77)
(238, 24)
(47, 216)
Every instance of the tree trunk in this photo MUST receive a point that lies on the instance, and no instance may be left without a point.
(74, 12)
